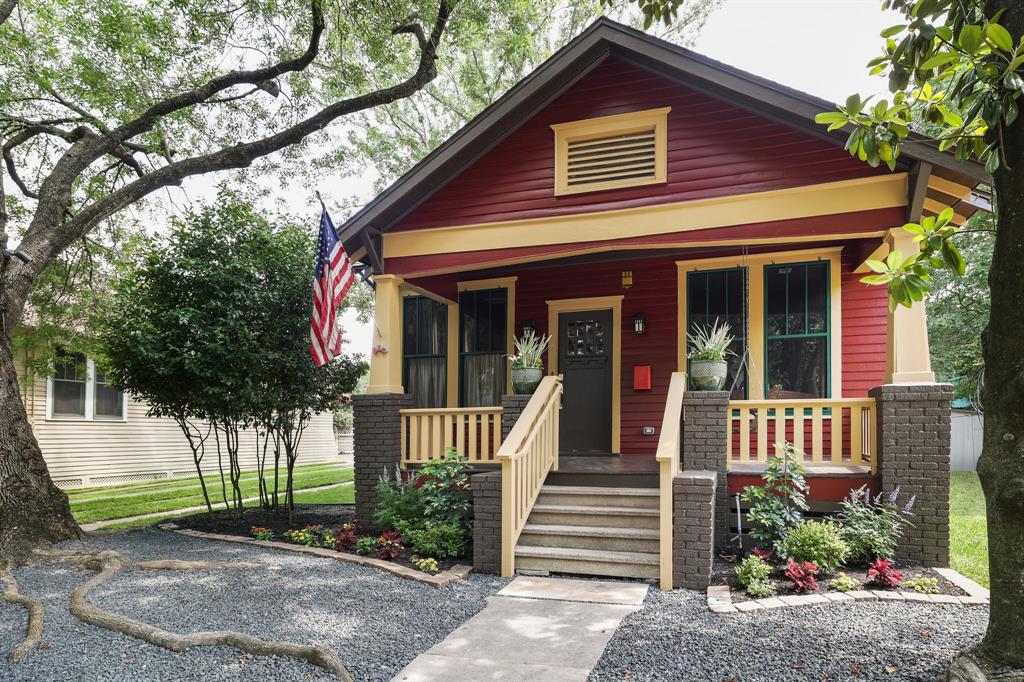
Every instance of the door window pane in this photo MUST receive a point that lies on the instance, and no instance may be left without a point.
(69, 381)
(797, 330)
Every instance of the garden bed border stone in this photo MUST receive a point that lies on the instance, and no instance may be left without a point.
(720, 597)
(446, 577)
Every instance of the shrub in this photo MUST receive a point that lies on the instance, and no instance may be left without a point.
(802, 575)
(443, 485)
(872, 528)
(843, 583)
(819, 542)
(366, 545)
(346, 537)
(882, 574)
(761, 589)
(752, 569)
(398, 501)
(389, 545)
(778, 505)
(438, 540)
(765, 554)
(262, 533)
(920, 583)
(312, 536)
(425, 564)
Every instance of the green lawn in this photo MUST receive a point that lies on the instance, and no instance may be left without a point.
(124, 501)
(968, 537)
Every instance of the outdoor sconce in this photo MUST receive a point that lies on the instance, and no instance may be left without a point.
(627, 279)
(640, 324)
(529, 326)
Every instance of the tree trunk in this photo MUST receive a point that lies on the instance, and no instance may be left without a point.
(33, 511)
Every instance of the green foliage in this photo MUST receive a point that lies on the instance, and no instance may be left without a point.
(761, 589)
(366, 546)
(710, 343)
(872, 527)
(530, 349)
(425, 564)
(435, 539)
(843, 583)
(778, 505)
(819, 542)
(443, 486)
(311, 536)
(399, 502)
(753, 569)
(922, 584)
(262, 533)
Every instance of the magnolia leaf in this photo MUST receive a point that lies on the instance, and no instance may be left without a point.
(945, 216)
(992, 163)
(893, 30)
(970, 39)
(893, 260)
(831, 117)
(875, 279)
(876, 265)
(940, 59)
(999, 36)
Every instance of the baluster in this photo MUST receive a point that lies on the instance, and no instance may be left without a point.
(837, 434)
(446, 429)
(744, 435)
(780, 427)
(856, 433)
(762, 434)
(798, 427)
(817, 454)
(460, 433)
(473, 428)
(404, 439)
(414, 437)
(495, 419)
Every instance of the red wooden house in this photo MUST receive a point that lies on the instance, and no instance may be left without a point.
(622, 192)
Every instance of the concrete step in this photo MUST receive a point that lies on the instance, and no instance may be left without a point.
(584, 515)
(594, 496)
(587, 562)
(590, 537)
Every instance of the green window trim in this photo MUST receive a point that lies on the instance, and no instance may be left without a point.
(497, 336)
(826, 335)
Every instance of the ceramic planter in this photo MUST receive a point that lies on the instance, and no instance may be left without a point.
(525, 380)
(708, 375)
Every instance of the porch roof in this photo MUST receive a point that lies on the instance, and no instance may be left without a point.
(602, 39)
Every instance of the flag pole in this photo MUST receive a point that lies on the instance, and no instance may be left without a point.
(320, 199)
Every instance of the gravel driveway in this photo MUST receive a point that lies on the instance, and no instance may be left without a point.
(675, 637)
(375, 621)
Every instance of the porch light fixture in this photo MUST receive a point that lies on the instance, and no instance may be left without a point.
(529, 326)
(640, 324)
(627, 279)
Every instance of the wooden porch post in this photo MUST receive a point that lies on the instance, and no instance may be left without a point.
(386, 356)
(906, 349)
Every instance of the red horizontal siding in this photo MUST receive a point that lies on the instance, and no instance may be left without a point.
(822, 488)
(714, 149)
(865, 316)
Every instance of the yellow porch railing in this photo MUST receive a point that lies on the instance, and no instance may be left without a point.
(526, 456)
(669, 447)
(474, 432)
(839, 432)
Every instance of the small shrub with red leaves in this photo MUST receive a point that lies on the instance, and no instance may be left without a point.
(882, 574)
(389, 545)
(346, 537)
(765, 554)
(802, 575)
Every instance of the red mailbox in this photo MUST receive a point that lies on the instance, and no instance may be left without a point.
(641, 377)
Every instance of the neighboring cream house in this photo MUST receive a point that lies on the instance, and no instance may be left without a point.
(92, 434)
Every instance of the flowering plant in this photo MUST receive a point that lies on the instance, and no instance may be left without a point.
(389, 545)
(425, 564)
(882, 573)
(802, 575)
(346, 537)
(261, 533)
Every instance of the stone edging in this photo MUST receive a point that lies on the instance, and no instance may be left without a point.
(720, 596)
(446, 577)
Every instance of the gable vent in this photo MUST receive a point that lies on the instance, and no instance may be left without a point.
(610, 152)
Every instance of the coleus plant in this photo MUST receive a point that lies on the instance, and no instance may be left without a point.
(802, 575)
(882, 573)
(347, 537)
(389, 544)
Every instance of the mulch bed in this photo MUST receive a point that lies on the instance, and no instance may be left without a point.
(331, 516)
(724, 573)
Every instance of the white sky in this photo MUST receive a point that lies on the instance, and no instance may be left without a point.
(818, 46)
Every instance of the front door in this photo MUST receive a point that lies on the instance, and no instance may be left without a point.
(585, 363)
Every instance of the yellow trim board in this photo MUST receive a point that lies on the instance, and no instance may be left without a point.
(755, 264)
(613, 303)
(602, 127)
(509, 284)
(844, 196)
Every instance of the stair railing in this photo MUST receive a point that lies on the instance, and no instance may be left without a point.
(527, 455)
(669, 449)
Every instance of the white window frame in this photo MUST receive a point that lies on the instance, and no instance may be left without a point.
(90, 395)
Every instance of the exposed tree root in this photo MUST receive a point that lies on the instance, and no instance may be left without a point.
(970, 666)
(109, 563)
(34, 607)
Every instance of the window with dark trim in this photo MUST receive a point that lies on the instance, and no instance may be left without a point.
(483, 351)
(718, 295)
(797, 330)
(424, 351)
(69, 381)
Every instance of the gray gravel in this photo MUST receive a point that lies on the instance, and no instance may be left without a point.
(675, 637)
(375, 621)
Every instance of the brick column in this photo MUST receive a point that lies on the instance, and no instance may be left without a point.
(705, 447)
(486, 522)
(511, 407)
(693, 541)
(377, 433)
(913, 455)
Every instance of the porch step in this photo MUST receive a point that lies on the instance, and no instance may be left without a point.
(590, 537)
(598, 496)
(587, 561)
(586, 515)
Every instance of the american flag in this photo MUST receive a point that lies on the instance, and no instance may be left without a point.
(332, 279)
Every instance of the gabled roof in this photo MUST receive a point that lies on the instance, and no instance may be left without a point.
(601, 39)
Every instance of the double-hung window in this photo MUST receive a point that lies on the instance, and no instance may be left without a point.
(78, 390)
(797, 330)
(717, 297)
(482, 346)
(424, 351)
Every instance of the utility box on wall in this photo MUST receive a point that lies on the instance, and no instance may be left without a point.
(641, 377)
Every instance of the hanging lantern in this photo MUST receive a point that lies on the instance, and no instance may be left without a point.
(640, 324)
(627, 279)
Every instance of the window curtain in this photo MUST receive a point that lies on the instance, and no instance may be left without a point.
(483, 379)
(425, 379)
(424, 350)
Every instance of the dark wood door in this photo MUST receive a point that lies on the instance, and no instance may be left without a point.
(585, 362)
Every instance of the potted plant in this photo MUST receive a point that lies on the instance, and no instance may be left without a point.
(709, 347)
(527, 363)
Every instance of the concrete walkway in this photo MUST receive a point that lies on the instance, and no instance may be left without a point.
(97, 525)
(537, 629)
